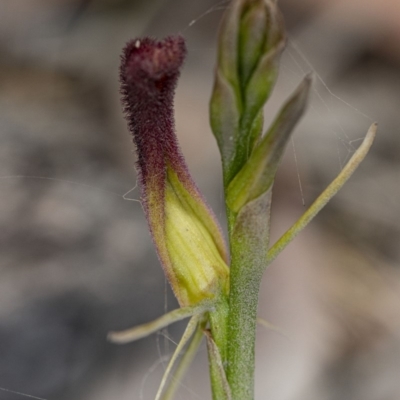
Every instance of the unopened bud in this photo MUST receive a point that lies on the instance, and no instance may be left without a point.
(250, 42)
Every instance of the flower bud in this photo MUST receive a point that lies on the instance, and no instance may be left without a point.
(250, 42)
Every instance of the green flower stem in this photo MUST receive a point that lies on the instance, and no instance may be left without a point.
(325, 196)
(242, 328)
(248, 240)
(249, 234)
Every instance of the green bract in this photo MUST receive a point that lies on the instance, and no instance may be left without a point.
(258, 173)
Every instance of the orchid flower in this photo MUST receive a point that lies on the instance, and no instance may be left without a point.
(216, 288)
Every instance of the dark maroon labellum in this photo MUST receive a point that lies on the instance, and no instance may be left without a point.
(149, 74)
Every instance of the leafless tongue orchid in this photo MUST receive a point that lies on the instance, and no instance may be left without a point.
(221, 300)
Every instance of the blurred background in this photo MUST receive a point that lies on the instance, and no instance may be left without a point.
(76, 257)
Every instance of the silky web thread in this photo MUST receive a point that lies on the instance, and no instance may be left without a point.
(21, 394)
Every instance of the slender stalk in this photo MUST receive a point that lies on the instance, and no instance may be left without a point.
(248, 238)
(242, 328)
(189, 331)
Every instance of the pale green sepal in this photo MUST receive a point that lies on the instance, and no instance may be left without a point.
(141, 331)
(190, 329)
(258, 173)
(184, 362)
(194, 244)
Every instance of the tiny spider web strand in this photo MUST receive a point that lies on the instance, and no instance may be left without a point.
(216, 7)
(60, 180)
(298, 174)
(149, 372)
(21, 394)
(304, 58)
